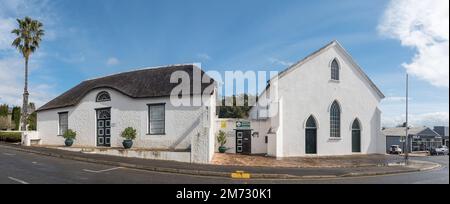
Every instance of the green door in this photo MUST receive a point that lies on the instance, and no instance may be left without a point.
(311, 141)
(356, 141)
(356, 137)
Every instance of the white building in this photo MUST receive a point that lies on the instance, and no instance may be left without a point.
(100, 109)
(323, 105)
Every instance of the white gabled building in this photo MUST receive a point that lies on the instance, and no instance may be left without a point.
(100, 109)
(323, 105)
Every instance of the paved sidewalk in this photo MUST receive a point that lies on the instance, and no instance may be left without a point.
(308, 162)
(223, 171)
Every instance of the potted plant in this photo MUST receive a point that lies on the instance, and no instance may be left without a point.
(69, 135)
(222, 139)
(129, 134)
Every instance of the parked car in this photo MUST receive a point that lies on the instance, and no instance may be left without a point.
(442, 150)
(395, 149)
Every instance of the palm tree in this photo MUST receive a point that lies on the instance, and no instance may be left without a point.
(29, 36)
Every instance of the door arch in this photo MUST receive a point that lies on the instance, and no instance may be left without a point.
(311, 136)
(356, 136)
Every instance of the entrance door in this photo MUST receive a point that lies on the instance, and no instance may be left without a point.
(311, 141)
(311, 136)
(104, 127)
(243, 141)
(356, 137)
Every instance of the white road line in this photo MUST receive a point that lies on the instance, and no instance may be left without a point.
(18, 180)
(8, 154)
(101, 171)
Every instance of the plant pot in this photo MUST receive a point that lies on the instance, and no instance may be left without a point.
(68, 142)
(127, 144)
(222, 149)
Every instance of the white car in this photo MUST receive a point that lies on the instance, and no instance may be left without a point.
(442, 150)
(395, 149)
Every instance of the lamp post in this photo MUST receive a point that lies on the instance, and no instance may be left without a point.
(407, 124)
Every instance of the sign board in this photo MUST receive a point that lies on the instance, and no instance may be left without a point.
(243, 125)
(223, 124)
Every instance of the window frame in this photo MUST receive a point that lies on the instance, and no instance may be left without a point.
(335, 120)
(59, 122)
(335, 70)
(149, 106)
(102, 93)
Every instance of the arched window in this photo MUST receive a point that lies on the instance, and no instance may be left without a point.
(334, 70)
(335, 120)
(311, 123)
(356, 125)
(103, 96)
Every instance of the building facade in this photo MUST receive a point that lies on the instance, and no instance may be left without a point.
(443, 132)
(419, 138)
(100, 109)
(323, 105)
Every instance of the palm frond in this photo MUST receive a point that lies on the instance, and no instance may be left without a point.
(29, 35)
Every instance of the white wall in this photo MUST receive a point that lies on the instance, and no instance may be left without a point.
(182, 123)
(258, 146)
(308, 90)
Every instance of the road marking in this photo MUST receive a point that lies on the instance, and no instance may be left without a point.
(8, 154)
(18, 180)
(101, 171)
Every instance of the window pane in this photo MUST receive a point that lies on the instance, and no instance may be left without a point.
(157, 119)
(335, 120)
(156, 112)
(63, 123)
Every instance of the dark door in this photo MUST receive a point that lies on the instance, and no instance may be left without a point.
(356, 136)
(104, 128)
(311, 141)
(243, 141)
(356, 141)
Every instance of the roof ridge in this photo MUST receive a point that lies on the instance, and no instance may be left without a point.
(141, 69)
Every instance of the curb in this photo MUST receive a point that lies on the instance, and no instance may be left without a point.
(217, 174)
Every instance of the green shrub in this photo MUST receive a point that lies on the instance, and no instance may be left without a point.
(70, 134)
(129, 133)
(12, 137)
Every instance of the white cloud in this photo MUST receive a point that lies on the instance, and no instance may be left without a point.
(280, 62)
(6, 26)
(11, 63)
(423, 25)
(204, 56)
(427, 119)
(112, 61)
(395, 99)
(11, 86)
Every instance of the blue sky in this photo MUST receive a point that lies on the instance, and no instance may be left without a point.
(86, 39)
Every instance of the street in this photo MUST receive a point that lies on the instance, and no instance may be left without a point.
(25, 168)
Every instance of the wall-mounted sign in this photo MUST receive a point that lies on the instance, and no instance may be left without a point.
(223, 124)
(243, 125)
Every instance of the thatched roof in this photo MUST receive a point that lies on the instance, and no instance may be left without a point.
(145, 83)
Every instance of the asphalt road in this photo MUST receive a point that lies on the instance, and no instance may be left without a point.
(25, 168)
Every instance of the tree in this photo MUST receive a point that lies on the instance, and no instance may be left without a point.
(4, 110)
(235, 111)
(16, 117)
(29, 35)
(32, 118)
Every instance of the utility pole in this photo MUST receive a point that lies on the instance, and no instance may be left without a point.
(407, 124)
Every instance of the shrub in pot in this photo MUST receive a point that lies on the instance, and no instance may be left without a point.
(222, 140)
(129, 134)
(70, 136)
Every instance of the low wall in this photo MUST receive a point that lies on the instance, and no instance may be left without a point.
(142, 154)
(30, 138)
